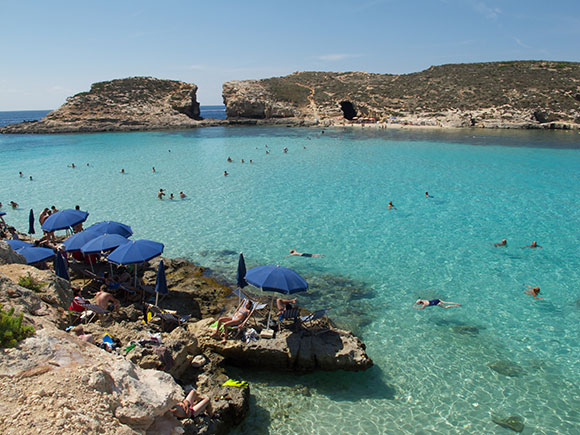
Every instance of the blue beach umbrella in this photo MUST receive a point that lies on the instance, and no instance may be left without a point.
(137, 251)
(18, 244)
(35, 254)
(2, 213)
(31, 222)
(112, 227)
(64, 219)
(60, 267)
(78, 240)
(272, 278)
(103, 243)
(160, 282)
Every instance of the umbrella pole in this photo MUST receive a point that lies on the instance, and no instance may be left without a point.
(270, 314)
(156, 298)
(91, 263)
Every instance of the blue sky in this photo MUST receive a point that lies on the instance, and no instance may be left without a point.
(52, 50)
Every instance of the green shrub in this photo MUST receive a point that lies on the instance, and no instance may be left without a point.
(30, 283)
(11, 328)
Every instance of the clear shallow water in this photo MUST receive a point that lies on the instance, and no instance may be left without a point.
(331, 198)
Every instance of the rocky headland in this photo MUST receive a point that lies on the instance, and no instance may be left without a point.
(55, 382)
(522, 94)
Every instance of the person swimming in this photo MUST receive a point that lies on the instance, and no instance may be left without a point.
(229, 160)
(534, 291)
(502, 243)
(533, 245)
(226, 173)
(160, 194)
(302, 254)
(182, 195)
(420, 304)
(390, 206)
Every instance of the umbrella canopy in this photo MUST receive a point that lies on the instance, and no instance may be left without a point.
(78, 240)
(18, 244)
(279, 279)
(241, 272)
(111, 227)
(136, 251)
(102, 243)
(31, 222)
(2, 213)
(34, 254)
(60, 267)
(64, 219)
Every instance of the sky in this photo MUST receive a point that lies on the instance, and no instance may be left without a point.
(53, 50)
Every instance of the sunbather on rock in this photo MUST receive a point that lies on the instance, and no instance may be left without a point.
(192, 406)
(284, 304)
(103, 299)
(238, 318)
(81, 335)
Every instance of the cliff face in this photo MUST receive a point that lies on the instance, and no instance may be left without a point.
(136, 103)
(525, 94)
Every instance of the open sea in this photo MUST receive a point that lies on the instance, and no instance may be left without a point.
(328, 195)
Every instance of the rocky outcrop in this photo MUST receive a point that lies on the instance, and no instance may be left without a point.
(8, 256)
(136, 103)
(301, 350)
(526, 94)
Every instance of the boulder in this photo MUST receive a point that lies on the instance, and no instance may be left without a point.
(513, 422)
(9, 256)
(331, 349)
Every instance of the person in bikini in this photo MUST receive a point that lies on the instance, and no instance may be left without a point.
(238, 318)
(192, 406)
(534, 291)
(301, 254)
(422, 303)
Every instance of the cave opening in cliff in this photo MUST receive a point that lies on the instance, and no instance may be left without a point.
(348, 110)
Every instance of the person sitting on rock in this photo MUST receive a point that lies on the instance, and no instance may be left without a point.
(238, 318)
(192, 406)
(79, 303)
(103, 299)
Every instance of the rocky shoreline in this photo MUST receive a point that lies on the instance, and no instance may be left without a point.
(76, 387)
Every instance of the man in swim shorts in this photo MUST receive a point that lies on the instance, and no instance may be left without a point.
(302, 254)
(422, 303)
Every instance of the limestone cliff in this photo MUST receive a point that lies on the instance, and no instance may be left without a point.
(523, 94)
(136, 103)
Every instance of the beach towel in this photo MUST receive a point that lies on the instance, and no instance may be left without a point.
(233, 383)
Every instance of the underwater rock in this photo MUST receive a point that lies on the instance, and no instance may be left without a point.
(513, 422)
(466, 330)
(578, 303)
(506, 368)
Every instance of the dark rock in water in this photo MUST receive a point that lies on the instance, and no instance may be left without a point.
(466, 330)
(506, 368)
(578, 303)
(226, 252)
(513, 422)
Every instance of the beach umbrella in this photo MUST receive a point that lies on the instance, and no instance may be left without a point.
(18, 244)
(31, 222)
(60, 267)
(112, 227)
(34, 254)
(160, 282)
(273, 278)
(241, 275)
(102, 243)
(78, 240)
(135, 252)
(2, 213)
(64, 219)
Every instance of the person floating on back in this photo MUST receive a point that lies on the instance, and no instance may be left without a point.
(422, 303)
(301, 254)
(533, 245)
(534, 291)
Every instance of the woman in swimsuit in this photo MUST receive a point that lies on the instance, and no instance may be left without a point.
(225, 322)
(534, 291)
(192, 406)
(422, 303)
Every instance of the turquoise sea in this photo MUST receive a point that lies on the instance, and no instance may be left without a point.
(328, 195)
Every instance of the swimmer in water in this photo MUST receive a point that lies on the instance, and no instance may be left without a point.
(301, 254)
(171, 196)
(153, 169)
(427, 195)
(390, 206)
(72, 165)
(533, 245)
(160, 194)
(229, 160)
(422, 303)
(13, 204)
(122, 171)
(226, 173)
(502, 243)
(20, 174)
(243, 161)
(182, 195)
(534, 291)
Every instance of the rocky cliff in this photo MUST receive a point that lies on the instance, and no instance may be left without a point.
(523, 94)
(136, 103)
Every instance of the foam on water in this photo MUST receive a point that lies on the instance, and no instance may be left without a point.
(431, 371)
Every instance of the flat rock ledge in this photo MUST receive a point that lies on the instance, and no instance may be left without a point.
(301, 351)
